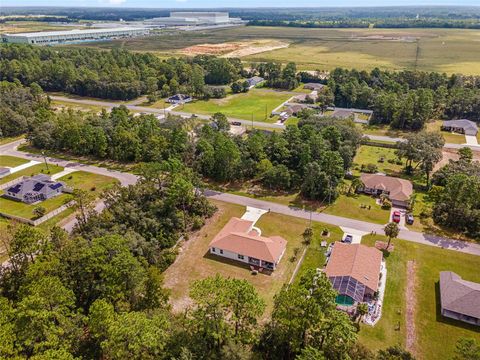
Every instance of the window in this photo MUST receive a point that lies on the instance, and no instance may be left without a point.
(213, 249)
(240, 257)
(221, 251)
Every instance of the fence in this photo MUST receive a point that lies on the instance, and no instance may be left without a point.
(38, 221)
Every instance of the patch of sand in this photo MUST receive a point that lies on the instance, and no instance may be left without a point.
(235, 49)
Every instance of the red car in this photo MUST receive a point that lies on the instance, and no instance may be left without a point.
(396, 216)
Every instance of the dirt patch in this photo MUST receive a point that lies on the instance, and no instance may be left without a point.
(234, 49)
(448, 154)
(411, 303)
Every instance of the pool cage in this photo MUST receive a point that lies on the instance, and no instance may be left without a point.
(347, 285)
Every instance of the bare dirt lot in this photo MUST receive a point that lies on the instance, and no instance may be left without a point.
(235, 49)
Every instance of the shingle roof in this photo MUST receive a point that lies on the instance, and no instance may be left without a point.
(399, 189)
(459, 295)
(468, 126)
(237, 238)
(254, 80)
(361, 262)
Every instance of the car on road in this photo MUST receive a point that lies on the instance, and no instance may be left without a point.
(396, 216)
(409, 219)
(347, 239)
(236, 123)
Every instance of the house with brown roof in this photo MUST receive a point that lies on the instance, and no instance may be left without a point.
(354, 270)
(239, 240)
(459, 299)
(398, 190)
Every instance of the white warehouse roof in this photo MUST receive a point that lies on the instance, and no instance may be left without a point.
(75, 31)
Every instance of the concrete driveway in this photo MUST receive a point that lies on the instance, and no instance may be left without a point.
(354, 233)
(471, 140)
(403, 212)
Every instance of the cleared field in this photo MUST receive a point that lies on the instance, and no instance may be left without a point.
(443, 50)
(31, 26)
(374, 155)
(255, 105)
(11, 161)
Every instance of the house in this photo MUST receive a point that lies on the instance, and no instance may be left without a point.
(240, 241)
(313, 86)
(462, 126)
(342, 113)
(306, 98)
(459, 299)
(398, 190)
(4, 171)
(179, 99)
(34, 189)
(254, 81)
(354, 270)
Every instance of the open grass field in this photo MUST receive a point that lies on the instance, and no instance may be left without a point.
(373, 155)
(443, 50)
(256, 104)
(31, 26)
(21, 209)
(11, 161)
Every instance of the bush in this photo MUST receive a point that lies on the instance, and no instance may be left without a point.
(369, 168)
(386, 204)
(391, 161)
(197, 223)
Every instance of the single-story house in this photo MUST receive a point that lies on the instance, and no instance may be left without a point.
(354, 270)
(462, 126)
(313, 86)
(254, 81)
(239, 241)
(303, 98)
(398, 190)
(179, 99)
(4, 171)
(33, 189)
(459, 299)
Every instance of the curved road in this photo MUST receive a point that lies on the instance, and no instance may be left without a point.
(129, 179)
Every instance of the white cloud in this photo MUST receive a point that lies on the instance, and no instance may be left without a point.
(116, 2)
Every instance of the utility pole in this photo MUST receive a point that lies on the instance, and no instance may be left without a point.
(45, 159)
(252, 120)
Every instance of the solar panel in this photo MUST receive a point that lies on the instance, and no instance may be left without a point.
(55, 186)
(15, 189)
(38, 186)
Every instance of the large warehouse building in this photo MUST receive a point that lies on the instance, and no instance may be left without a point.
(73, 36)
(195, 18)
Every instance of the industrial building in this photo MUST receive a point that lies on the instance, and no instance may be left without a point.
(73, 36)
(195, 18)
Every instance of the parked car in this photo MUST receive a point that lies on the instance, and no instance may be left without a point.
(236, 123)
(396, 216)
(409, 219)
(348, 239)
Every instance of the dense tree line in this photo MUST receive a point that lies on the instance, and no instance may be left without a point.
(19, 106)
(407, 99)
(115, 74)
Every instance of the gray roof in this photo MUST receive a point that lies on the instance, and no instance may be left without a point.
(74, 32)
(468, 126)
(254, 80)
(38, 184)
(342, 113)
(458, 295)
(313, 86)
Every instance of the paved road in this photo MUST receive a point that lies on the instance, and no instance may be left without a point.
(426, 239)
(149, 110)
(447, 145)
(128, 179)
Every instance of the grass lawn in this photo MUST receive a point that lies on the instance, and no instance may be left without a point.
(11, 161)
(380, 130)
(350, 207)
(195, 263)
(21, 209)
(88, 181)
(8, 139)
(372, 154)
(257, 103)
(450, 137)
(76, 106)
(33, 170)
(431, 328)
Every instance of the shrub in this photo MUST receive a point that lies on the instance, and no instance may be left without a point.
(369, 168)
(386, 204)
(197, 223)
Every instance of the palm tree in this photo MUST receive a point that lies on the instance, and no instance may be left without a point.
(391, 231)
(362, 310)
(355, 184)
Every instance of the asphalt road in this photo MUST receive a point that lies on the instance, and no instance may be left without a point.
(129, 179)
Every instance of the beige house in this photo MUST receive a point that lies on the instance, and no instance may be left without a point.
(240, 241)
(398, 190)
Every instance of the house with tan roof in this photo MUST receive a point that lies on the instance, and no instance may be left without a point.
(354, 270)
(398, 190)
(239, 240)
(459, 299)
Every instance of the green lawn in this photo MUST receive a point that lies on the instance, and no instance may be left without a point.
(88, 181)
(11, 161)
(450, 137)
(257, 103)
(21, 209)
(373, 154)
(350, 207)
(8, 139)
(431, 328)
(33, 170)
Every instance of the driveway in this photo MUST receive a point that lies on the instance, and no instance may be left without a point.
(471, 140)
(402, 212)
(354, 233)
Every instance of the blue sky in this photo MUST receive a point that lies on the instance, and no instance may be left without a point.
(232, 3)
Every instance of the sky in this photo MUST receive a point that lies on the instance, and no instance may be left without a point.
(233, 3)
